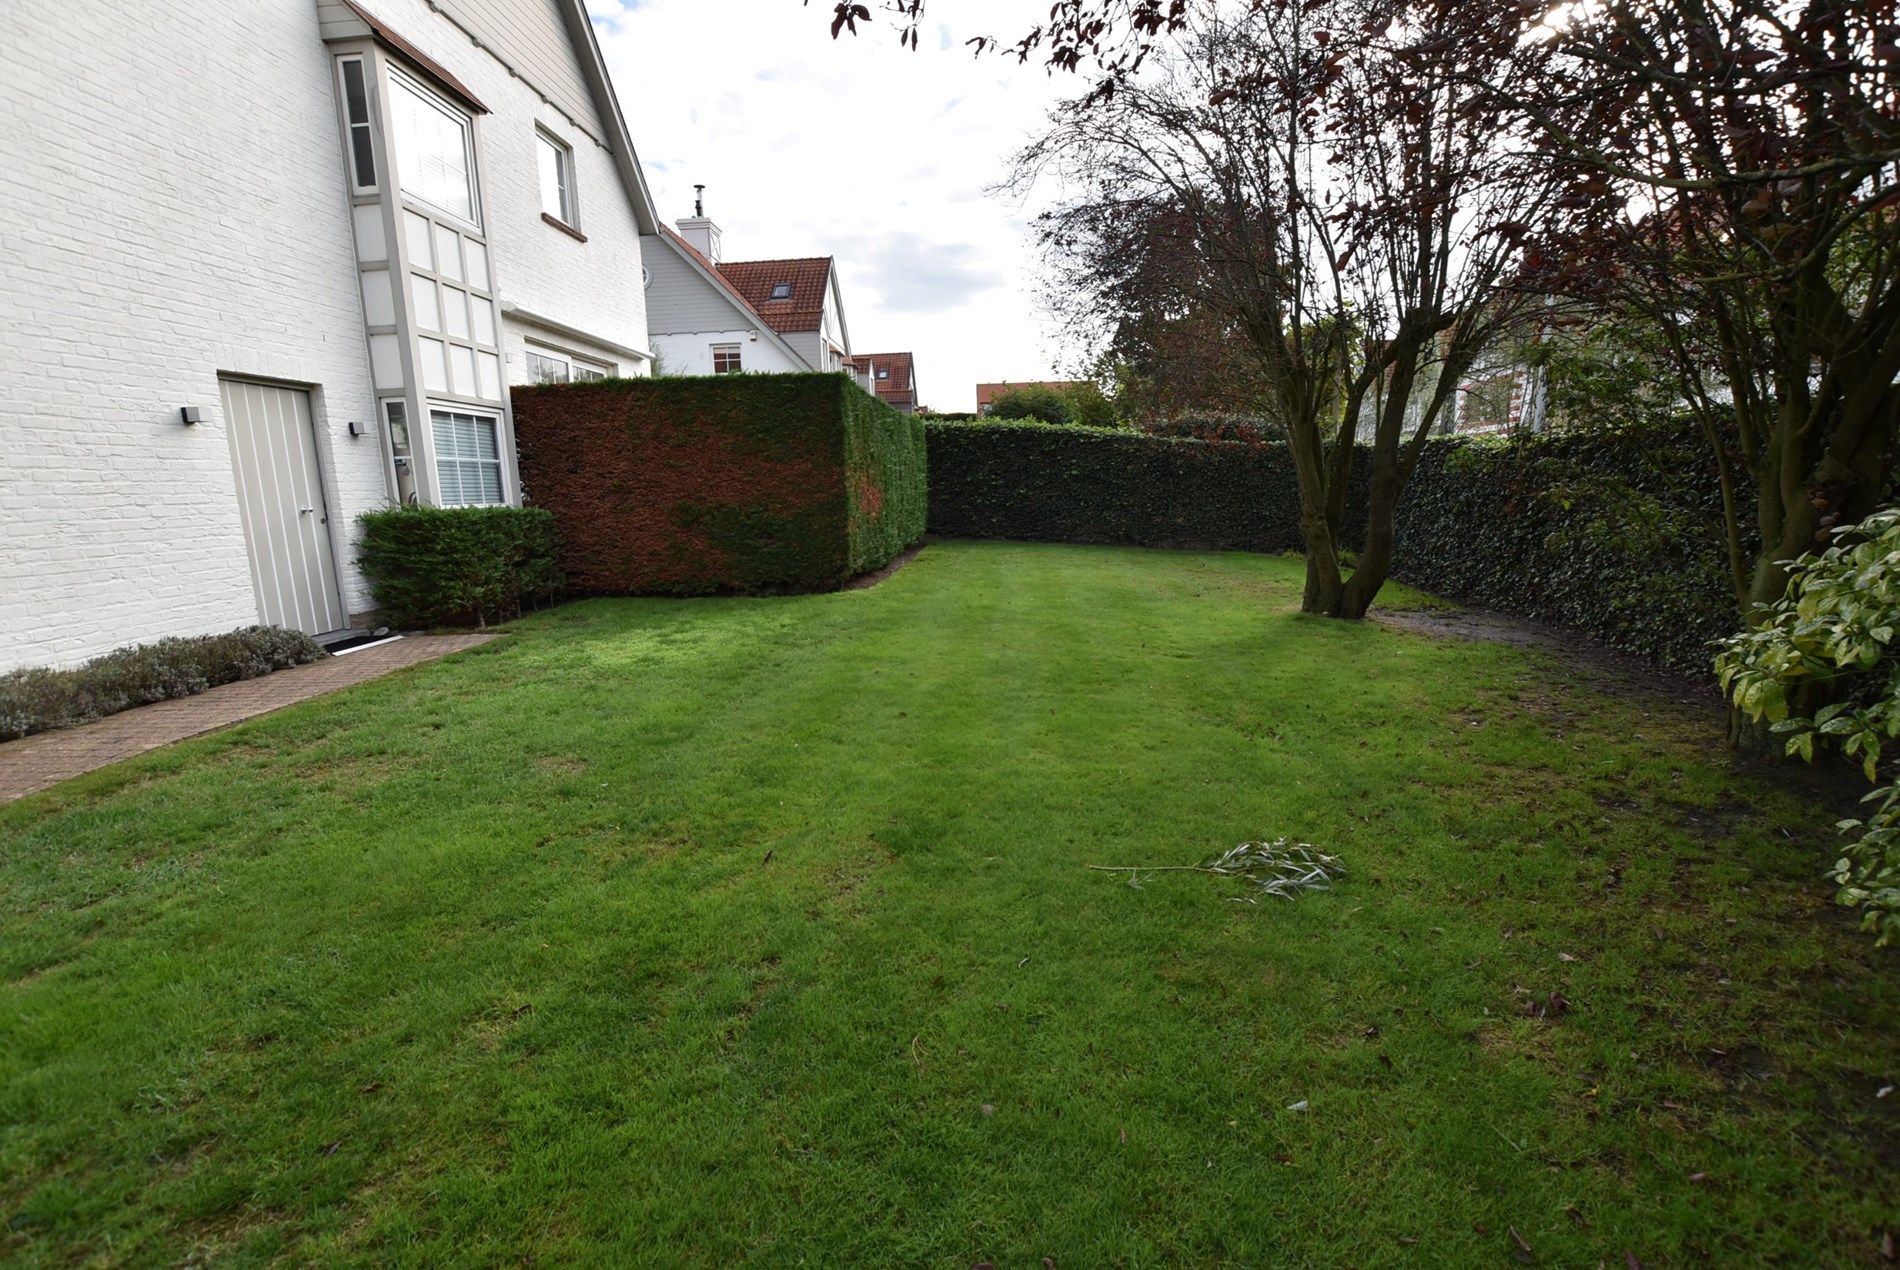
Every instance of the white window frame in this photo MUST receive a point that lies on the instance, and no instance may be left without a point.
(738, 359)
(353, 128)
(575, 369)
(568, 209)
(500, 463)
(429, 97)
(403, 462)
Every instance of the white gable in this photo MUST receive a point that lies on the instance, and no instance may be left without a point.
(532, 37)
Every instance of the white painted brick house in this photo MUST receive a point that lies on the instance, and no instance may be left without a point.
(334, 231)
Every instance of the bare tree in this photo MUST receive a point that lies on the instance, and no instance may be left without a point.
(1347, 202)
(1109, 37)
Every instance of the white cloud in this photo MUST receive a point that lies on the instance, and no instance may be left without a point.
(853, 148)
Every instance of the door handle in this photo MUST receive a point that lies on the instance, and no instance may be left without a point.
(306, 511)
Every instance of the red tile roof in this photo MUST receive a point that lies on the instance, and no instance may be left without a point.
(803, 310)
(900, 388)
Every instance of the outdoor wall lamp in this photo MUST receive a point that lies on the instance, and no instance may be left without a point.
(189, 415)
(358, 428)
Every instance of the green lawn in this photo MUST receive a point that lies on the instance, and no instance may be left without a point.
(708, 932)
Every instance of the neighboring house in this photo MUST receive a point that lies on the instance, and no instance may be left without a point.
(800, 299)
(986, 394)
(892, 376)
(712, 316)
(244, 311)
(700, 324)
(1501, 394)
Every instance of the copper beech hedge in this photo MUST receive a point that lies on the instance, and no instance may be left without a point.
(715, 484)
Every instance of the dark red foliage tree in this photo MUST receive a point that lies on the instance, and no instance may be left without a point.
(1737, 166)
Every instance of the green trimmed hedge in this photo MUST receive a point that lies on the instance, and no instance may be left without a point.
(886, 479)
(1037, 483)
(41, 700)
(448, 566)
(698, 485)
(1618, 534)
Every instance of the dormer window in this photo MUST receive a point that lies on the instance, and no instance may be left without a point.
(781, 290)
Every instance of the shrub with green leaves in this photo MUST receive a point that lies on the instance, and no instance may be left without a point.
(1033, 401)
(40, 700)
(1832, 636)
(449, 566)
(1090, 407)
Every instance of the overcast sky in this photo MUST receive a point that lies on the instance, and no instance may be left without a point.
(854, 149)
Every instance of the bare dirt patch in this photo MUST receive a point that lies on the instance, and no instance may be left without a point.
(1603, 667)
(1593, 666)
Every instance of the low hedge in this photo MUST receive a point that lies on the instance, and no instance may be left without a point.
(1038, 483)
(448, 566)
(697, 485)
(1618, 533)
(42, 700)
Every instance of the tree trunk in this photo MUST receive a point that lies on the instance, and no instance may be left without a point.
(1323, 586)
(1323, 583)
(1375, 562)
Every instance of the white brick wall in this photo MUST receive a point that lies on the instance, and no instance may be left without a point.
(172, 209)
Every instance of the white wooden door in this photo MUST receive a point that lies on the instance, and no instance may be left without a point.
(280, 497)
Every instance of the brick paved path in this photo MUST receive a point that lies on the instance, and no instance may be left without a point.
(40, 761)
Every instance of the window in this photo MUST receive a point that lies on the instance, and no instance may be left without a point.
(356, 115)
(557, 179)
(467, 460)
(402, 458)
(433, 151)
(550, 366)
(883, 373)
(781, 290)
(725, 359)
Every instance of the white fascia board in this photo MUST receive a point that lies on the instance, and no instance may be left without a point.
(837, 298)
(510, 309)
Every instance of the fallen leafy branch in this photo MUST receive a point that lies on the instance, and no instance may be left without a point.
(1275, 868)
